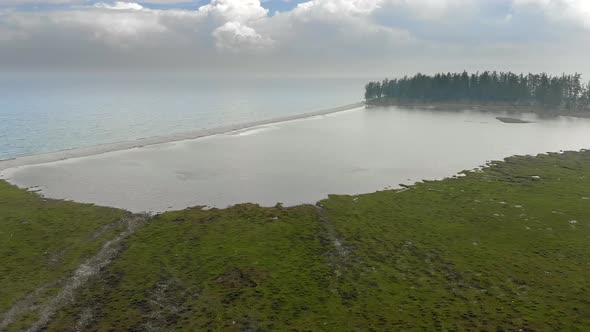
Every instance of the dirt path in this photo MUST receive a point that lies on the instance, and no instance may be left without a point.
(81, 275)
(27, 303)
(339, 254)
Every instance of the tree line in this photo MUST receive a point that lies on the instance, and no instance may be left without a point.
(558, 92)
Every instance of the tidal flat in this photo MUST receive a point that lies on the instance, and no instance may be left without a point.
(500, 248)
(298, 162)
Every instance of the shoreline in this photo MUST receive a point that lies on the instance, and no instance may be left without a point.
(295, 162)
(42, 158)
(508, 108)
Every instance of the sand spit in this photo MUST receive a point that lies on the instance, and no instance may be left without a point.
(125, 145)
(296, 162)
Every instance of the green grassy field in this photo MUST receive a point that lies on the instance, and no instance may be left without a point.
(505, 248)
(41, 242)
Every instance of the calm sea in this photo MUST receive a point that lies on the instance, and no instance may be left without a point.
(46, 113)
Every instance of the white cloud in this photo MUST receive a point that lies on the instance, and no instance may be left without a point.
(424, 9)
(73, 2)
(337, 7)
(237, 37)
(23, 2)
(119, 5)
(435, 9)
(563, 11)
(235, 34)
(316, 35)
(235, 10)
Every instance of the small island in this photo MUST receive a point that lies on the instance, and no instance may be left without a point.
(511, 120)
(485, 91)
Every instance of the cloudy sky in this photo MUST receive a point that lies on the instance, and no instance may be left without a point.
(297, 37)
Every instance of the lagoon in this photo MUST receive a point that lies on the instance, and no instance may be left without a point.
(300, 161)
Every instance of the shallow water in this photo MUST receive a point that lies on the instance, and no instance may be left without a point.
(300, 161)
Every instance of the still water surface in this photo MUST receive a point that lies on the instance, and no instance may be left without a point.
(53, 112)
(300, 161)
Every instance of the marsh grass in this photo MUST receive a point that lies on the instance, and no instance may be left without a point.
(42, 242)
(502, 248)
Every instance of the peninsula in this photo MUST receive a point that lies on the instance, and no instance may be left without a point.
(488, 90)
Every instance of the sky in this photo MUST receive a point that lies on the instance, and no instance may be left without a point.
(296, 37)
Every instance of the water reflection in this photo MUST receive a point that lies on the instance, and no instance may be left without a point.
(301, 161)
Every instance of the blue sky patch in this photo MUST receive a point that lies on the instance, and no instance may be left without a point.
(281, 5)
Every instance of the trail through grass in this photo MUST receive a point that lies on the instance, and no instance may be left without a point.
(42, 242)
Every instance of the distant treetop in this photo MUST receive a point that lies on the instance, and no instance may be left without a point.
(559, 92)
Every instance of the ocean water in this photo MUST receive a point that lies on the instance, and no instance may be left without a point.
(42, 113)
